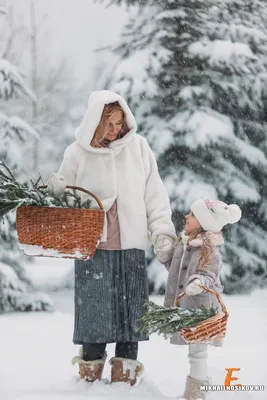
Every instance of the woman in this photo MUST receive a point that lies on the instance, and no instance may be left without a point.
(111, 160)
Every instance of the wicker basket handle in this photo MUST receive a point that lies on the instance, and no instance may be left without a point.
(209, 290)
(82, 190)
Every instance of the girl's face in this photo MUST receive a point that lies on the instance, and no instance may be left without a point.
(192, 225)
(114, 125)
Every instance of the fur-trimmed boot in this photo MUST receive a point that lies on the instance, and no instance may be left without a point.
(125, 370)
(192, 389)
(89, 370)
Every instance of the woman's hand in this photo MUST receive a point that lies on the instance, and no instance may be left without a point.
(193, 288)
(163, 248)
(56, 185)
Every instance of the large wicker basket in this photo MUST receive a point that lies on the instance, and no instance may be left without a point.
(213, 328)
(60, 232)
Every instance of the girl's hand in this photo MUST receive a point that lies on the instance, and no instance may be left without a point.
(193, 288)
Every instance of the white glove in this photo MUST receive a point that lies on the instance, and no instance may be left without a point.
(163, 243)
(56, 185)
(193, 288)
(163, 248)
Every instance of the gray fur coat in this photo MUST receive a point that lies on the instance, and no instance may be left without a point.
(183, 270)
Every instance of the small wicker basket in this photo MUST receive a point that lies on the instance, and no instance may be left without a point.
(67, 232)
(213, 328)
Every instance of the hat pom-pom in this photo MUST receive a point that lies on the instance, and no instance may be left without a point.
(235, 213)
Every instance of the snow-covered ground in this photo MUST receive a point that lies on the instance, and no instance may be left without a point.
(36, 351)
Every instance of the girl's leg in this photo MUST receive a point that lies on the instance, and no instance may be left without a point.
(93, 351)
(197, 355)
(127, 350)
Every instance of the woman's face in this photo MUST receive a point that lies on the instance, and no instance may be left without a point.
(114, 125)
(192, 225)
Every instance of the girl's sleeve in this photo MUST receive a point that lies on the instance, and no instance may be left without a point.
(209, 274)
(156, 197)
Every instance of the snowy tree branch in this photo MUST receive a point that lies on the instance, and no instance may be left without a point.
(3, 10)
(16, 128)
(12, 82)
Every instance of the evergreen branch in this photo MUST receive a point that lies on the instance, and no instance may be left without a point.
(167, 321)
(6, 207)
(14, 194)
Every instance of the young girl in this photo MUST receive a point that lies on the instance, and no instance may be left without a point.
(196, 261)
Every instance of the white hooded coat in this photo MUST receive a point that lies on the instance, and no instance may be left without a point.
(126, 171)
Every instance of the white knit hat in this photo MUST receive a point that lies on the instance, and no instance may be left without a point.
(213, 214)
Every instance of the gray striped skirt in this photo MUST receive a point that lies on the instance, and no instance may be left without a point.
(110, 292)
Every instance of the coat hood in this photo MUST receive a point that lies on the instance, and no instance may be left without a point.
(85, 132)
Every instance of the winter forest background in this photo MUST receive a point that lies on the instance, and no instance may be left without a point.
(195, 75)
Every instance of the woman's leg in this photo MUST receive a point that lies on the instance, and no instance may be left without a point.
(197, 355)
(93, 351)
(127, 350)
(125, 367)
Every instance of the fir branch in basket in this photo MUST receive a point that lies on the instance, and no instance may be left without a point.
(14, 194)
(167, 321)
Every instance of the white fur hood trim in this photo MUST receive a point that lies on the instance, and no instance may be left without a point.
(215, 238)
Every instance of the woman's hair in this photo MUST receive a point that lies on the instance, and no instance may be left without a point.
(100, 131)
(206, 249)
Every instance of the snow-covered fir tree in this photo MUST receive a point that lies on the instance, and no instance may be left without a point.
(15, 287)
(195, 75)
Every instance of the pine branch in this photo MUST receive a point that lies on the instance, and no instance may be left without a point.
(167, 321)
(127, 2)
(6, 207)
(14, 194)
